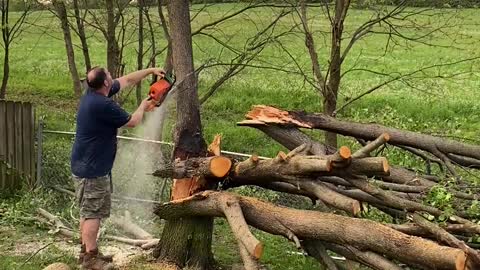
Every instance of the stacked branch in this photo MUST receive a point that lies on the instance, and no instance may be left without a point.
(329, 228)
(345, 181)
(449, 152)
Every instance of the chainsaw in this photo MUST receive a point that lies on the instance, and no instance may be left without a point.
(159, 90)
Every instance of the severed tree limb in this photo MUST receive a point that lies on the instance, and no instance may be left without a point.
(414, 229)
(249, 262)
(67, 232)
(428, 159)
(400, 203)
(215, 166)
(332, 198)
(465, 161)
(317, 250)
(323, 226)
(371, 146)
(292, 137)
(446, 237)
(245, 238)
(265, 115)
(368, 258)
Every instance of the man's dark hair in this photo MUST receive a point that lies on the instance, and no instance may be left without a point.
(99, 76)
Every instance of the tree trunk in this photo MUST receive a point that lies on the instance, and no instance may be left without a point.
(81, 35)
(186, 242)
(331, 93)
(138, 90)
(6, 73)
(67, 37)
(112, 46)
(168, 65)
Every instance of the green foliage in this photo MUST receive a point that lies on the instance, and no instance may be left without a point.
(440, 198)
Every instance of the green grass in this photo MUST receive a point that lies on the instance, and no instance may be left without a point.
(39, 74)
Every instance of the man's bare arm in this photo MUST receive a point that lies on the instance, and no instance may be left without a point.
(133, 78)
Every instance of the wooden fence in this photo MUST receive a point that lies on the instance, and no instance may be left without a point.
(17, 145)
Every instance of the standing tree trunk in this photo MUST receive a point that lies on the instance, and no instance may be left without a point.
(6, 73)
(330, 99)
(62, 15)
(168, 66)
(186, 242)
(81, 35)
(140, 50)
(112, 46)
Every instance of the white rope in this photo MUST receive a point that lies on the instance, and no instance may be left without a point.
(235, 154)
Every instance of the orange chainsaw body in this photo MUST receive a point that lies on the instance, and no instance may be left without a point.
(158, 92)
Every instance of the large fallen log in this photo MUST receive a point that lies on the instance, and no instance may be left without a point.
(326, 227)
(448, 151)
(439, 147)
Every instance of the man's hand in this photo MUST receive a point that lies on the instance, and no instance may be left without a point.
(137, 116)
(147, 105)
(159, 72)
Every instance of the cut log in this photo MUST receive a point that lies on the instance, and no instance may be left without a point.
(370, 166)
(216, 166)
(274, 169)
(249, 262)
(367, 149)
(323, 226)
(267, 115)
(234, 215)
(331, 197)
(447, 238)
(341, 158)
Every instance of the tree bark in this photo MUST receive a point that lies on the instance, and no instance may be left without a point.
(323, 226)
(168, 65)
(331, 91)
(6, 72)
(186, 242)
(67, 37)
(81, 35)
(138, 89)
(112, 46)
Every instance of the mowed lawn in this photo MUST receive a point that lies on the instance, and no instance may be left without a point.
(435, 105)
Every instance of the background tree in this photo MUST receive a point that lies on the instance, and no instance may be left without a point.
(330, 48)
(11, 30)
(61, 12)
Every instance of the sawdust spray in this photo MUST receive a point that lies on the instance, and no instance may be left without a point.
(136, 160)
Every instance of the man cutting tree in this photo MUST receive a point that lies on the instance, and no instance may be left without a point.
(93, 154)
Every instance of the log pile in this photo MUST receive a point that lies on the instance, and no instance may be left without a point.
(349, 183)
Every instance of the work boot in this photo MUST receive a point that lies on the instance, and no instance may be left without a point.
(91, 261)
(83, 249)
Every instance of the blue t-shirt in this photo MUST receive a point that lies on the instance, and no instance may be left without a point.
(95, 145)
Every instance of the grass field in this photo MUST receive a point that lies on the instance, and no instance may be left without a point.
(447, 107)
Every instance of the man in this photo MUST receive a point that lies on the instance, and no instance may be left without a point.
(93, 154)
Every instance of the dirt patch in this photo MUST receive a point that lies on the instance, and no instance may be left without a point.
(27, 244)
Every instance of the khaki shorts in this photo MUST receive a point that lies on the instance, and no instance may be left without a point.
(93, 196)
